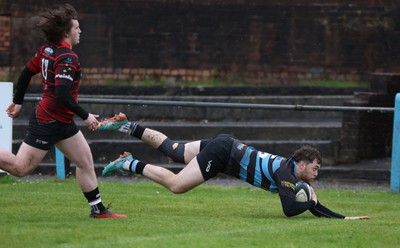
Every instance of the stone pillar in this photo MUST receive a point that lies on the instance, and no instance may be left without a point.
(350, 132)
(365, 135)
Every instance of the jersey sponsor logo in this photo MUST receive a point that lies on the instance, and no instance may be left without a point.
(48, 51)
(68, 60)
(241, 146)
(45, 66)
(64, 76)
(42, 142)
(208, 166)
(288, 184)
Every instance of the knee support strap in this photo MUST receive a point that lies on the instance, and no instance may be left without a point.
(173, 150)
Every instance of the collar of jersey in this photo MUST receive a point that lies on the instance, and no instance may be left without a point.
(294, 167)
(66, 44)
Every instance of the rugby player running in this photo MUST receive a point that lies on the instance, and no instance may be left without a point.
(51, 122)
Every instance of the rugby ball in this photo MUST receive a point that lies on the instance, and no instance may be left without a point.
(303, 192)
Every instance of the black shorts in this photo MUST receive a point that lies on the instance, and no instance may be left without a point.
(214, 155)
(44, 136)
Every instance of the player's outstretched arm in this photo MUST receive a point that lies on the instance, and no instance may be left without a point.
(357, 218)
(321, 211)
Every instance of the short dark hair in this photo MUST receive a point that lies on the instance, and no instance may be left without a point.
(308, 154)
(56, 22)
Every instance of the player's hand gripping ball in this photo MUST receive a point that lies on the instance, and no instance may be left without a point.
(303, 192)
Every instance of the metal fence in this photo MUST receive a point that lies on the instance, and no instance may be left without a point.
(295, 107)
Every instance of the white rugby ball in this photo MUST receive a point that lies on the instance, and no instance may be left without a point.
(303, 192)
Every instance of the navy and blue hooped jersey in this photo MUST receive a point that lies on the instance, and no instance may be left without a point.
(261, 169)
(273, 173)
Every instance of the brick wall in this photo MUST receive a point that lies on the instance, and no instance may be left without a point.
(263, 43)
(5, 31)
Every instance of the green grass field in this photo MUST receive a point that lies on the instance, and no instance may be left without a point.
(55, 214)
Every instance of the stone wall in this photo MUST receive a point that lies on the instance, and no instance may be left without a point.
(366, 135)
(262, 42)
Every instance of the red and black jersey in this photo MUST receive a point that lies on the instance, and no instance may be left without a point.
(58, 65)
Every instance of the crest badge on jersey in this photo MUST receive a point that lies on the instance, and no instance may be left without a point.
(48, 51)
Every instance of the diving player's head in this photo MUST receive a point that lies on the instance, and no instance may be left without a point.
(60, 23)
(308, 162)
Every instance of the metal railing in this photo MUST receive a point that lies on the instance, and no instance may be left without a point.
(295, 107)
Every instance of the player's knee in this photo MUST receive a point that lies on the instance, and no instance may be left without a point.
(176, 189)
(173, 150)
(19, 172)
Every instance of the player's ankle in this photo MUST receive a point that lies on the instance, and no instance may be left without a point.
(137, 166)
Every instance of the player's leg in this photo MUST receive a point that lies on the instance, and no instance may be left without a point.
(191, 150)
(207, 164)
(176, 151)
(35, 146)
(22, 164)
(188, 178)
(78, 151)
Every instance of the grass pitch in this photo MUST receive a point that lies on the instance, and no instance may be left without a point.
(55, 214)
